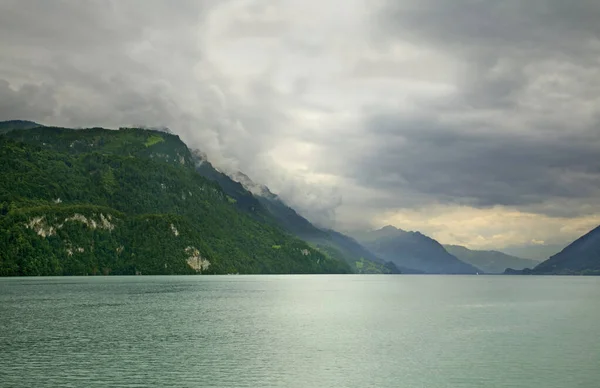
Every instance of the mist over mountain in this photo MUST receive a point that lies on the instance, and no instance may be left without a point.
(259, 201)
(160, 128)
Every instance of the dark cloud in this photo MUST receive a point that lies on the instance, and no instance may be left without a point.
(498, 42)
(96, 61)
(541, 27)
(465, 166)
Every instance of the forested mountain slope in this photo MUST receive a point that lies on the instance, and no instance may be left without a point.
(98, 201)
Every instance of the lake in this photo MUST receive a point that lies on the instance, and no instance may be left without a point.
(300, 331)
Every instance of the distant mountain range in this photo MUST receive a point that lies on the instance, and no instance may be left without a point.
(581, 257)
(491, 262)
(413, 250)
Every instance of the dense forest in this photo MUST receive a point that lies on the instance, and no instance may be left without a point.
(129, 201)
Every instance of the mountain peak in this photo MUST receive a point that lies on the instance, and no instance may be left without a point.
(389, 229)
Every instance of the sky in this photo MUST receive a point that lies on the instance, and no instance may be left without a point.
(475, 122)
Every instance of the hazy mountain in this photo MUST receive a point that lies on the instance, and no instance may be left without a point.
(352, 248)
(489, 261)
(413, 250)
(581, 257)
(327, 239)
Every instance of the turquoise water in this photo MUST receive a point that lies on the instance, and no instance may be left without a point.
(300, 331)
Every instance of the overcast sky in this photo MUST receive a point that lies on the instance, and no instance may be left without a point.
(474, 121)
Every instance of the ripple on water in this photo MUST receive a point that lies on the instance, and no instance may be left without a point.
(311, 331)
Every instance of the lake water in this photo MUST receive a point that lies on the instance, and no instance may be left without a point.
(301, 331)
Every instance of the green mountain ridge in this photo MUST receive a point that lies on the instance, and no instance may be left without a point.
(129, 201)
(491, 262)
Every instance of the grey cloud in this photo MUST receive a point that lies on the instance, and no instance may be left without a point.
(31, 102)
(497, 41)
(476, 168)
(543, 27)
(256, 20)
(75, 32)
(105, 63)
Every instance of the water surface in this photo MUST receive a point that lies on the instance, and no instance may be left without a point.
(300, 331)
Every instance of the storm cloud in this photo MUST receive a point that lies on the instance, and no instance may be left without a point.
(416, 112)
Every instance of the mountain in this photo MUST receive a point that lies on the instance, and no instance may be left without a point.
(129, 201)
(581, 257)
(6, 126)
(489, 261)
(258, 201)
(413, 250)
